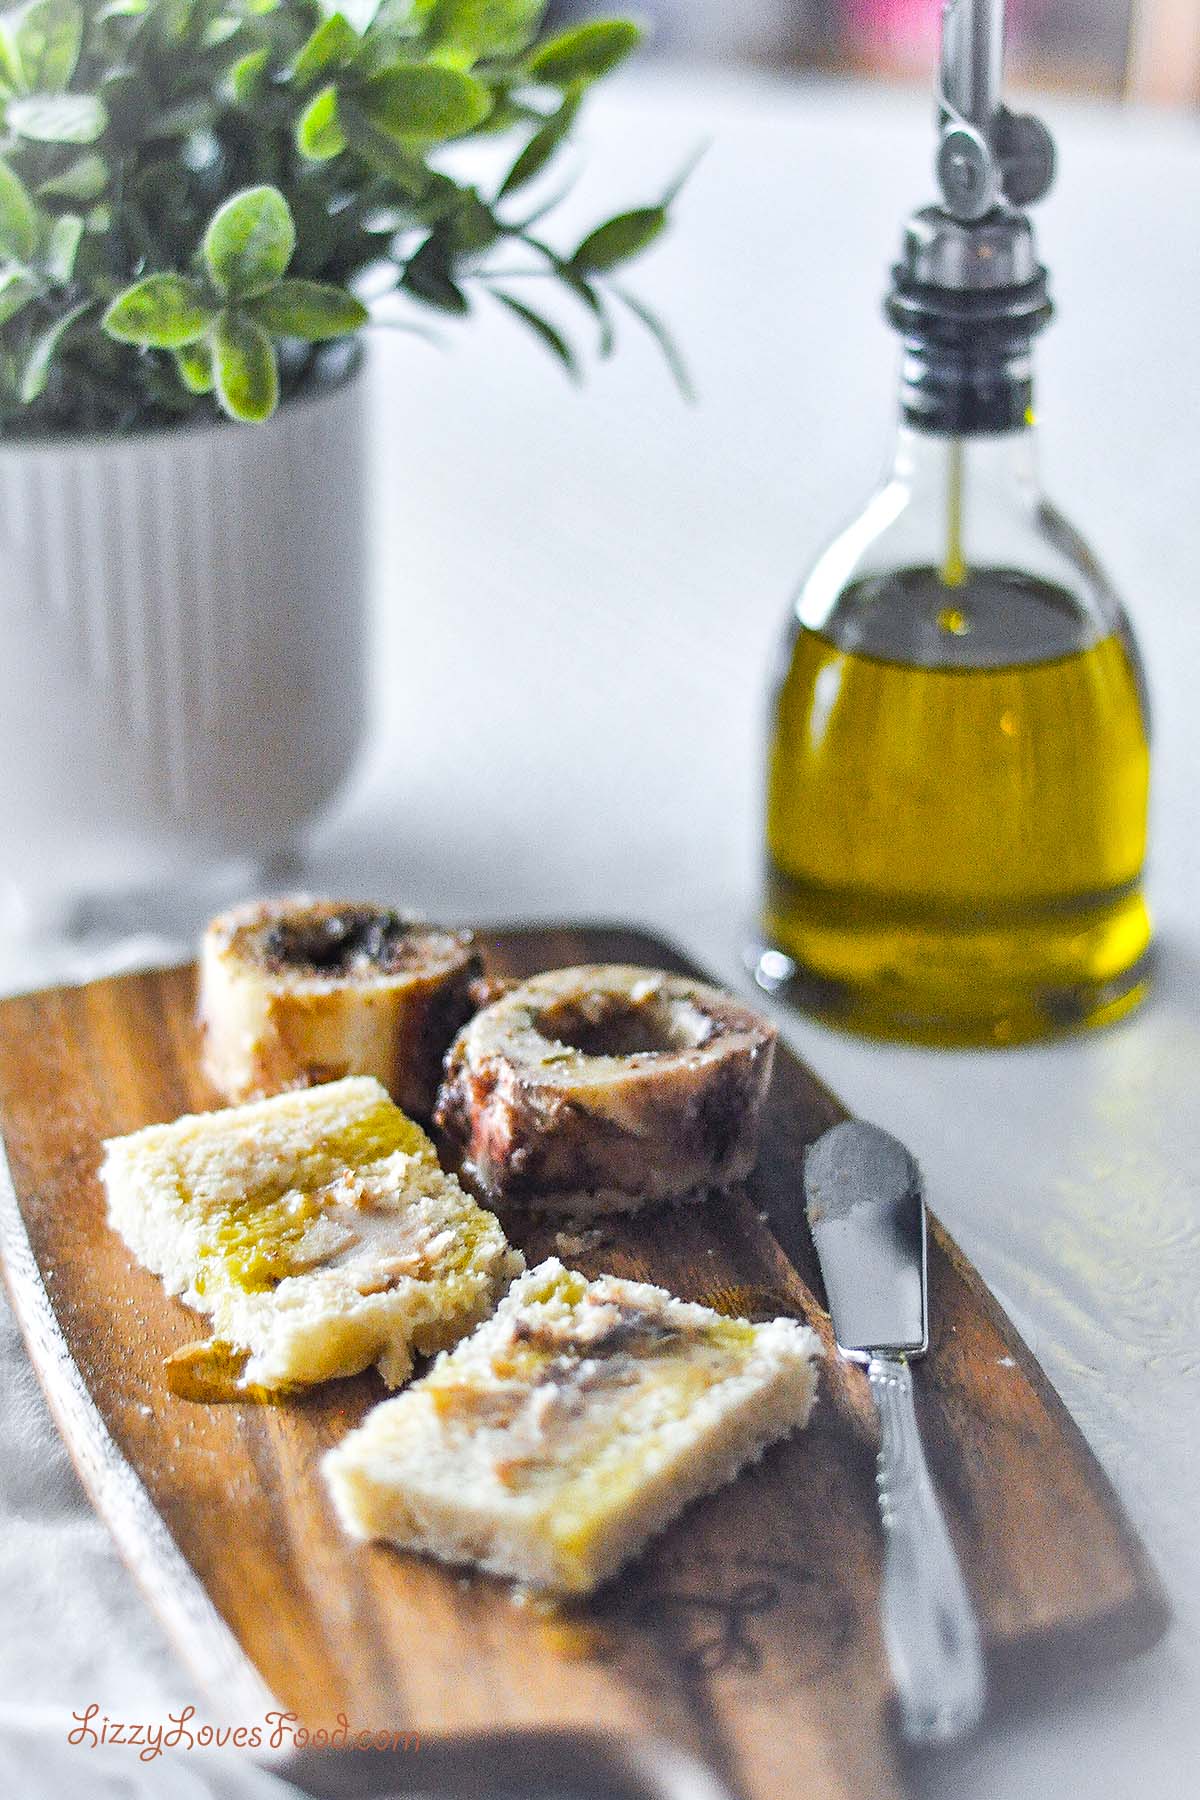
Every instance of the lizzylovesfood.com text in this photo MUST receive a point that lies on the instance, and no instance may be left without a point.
(276, 1731)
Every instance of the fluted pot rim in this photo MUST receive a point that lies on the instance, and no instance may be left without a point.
(330, 376)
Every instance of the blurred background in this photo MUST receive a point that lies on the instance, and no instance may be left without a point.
(1140, 49)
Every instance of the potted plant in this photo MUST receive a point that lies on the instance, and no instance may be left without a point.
(196, 196)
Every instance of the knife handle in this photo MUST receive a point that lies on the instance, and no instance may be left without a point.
(929, 1625)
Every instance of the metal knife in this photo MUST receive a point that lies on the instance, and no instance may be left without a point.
(867, 1215)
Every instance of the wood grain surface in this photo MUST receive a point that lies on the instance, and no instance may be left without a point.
(747, 1635)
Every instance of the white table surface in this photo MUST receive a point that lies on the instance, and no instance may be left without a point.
(578, 599)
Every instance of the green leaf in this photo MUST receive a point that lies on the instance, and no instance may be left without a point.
(194, 363)
(218, 31)
(35, 371)
(428, 278)
(443, 197)
(543, 144)
(549, 334)
(245, 372)
(45, 39)
(132, 107)
(315, 310)
(17, 289)
(684, 176)
(10, 66)
(385, 154)
(162, 312)
(18, 216)
(619, 240)
(662, 337)
(316, 230)
(585, 52)
(508, 113)
(246, 75)
(62, 247)
(477, 28)
(471, 226)
(58, 118)
(172, 19)
(84, 179)
(319, 134)
(198, 113)
(332, 45)
(249, 242)
(413, 102)
(594, 301)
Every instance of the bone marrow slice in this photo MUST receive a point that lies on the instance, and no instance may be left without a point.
(299, 991)
(604, 1088)
(573, 1424)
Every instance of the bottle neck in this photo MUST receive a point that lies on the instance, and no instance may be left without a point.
(924, 461)
(953, 391)
(967, 304)
(972, 495)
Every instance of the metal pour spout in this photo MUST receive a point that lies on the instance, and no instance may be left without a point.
(973, 59)
(988, 157)
(968, 294)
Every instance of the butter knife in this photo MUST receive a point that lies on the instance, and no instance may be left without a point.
(867, 1215)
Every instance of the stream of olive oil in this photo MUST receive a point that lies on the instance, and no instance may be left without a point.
(956, 832)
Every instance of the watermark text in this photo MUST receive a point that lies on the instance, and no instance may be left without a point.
(274, 1731)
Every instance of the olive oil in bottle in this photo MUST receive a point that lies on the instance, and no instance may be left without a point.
(955, 845)
(958, 764)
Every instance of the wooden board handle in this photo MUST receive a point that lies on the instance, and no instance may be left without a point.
(608, 1767)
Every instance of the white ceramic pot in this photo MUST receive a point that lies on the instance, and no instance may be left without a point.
(181, 644)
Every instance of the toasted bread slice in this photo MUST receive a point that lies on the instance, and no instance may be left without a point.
(569, 1427)
(315, 1228)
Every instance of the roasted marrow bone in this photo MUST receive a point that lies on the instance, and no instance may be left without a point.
(603, 1088)
(299, 991)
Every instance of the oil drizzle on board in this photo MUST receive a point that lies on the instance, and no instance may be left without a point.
(747, 1633)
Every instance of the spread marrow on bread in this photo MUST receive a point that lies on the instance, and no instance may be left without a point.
(317, 1231)
(570, 1427)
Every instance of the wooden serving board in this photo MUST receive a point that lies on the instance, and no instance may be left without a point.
(747, 1635)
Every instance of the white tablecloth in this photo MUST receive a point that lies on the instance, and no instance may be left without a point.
(578, 600)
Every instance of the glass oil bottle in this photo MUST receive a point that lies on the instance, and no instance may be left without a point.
(958, 767)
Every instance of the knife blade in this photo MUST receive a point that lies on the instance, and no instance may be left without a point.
(867, 1218)
(866, 1211)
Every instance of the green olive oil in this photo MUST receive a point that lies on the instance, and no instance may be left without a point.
(956, 812)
